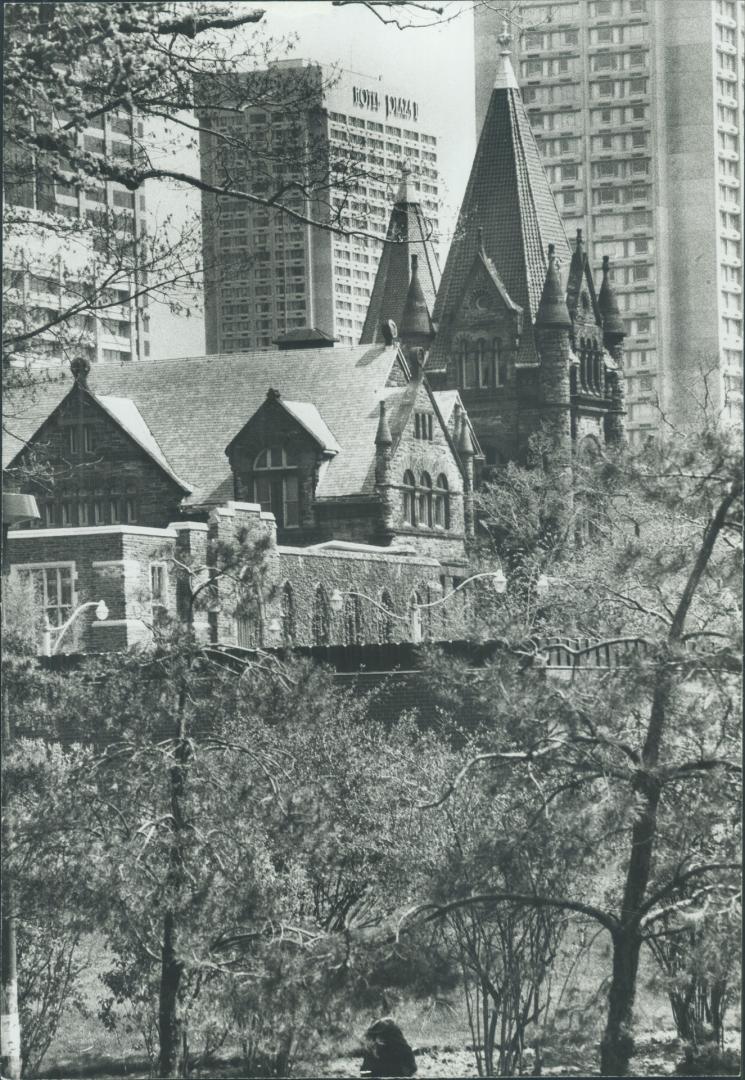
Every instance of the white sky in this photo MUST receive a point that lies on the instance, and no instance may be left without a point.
(431, 64)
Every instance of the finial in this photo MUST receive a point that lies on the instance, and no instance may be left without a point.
(551, 252)
(80, 367)
(606, 265)
(272, 394)
(414, 263)
(405, 190)
(579, 237)
(505, 77)
(480, 234)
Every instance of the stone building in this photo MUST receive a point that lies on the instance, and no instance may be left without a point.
(520, 331)
(347, 470)
(339, 464)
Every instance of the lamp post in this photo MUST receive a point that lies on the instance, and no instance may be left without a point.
(49, 649)
(414, 618)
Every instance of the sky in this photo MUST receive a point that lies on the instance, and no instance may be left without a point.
(433, 63)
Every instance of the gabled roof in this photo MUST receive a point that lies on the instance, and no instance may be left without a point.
(308, 416)
(305, 337)
(129, 417)
(408, 234)
(193, 407)
(447, 400)
(509, 198)
(580, 274)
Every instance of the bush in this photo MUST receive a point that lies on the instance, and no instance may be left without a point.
(708, 1059)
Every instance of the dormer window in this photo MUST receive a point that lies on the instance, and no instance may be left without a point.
(275, 485)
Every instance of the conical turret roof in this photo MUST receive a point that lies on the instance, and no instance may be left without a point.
(508, 196)
(408, 234)
(416, 325)
(608, 305)
(552, 310)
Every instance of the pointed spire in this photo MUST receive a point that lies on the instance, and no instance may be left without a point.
(383, 436)
(578, 255)
(406, 193)
(505, 76)
(552, 310)
(415, 321)
(408, 231)
(608, 305)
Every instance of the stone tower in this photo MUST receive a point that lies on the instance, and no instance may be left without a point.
(519, 327)
(408, 234)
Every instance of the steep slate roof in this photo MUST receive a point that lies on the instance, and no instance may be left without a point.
(129, 417)
(407, 235)
(194, 407)
(508, 196)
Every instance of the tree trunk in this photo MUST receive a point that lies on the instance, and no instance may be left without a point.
(10, 1028)
(171, 1021)
(618, 1042)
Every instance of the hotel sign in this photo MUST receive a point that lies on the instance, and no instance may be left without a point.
(397, 107)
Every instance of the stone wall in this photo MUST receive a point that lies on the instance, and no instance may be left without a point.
(368, 593)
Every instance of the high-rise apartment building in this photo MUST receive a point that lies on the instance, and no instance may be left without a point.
(267, 274)
(637, 106)
(52, 265)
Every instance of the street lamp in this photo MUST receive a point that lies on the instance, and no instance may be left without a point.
(414, 618)
(49, 649)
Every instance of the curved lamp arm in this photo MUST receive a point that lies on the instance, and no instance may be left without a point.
(102, 613)
(500, 582)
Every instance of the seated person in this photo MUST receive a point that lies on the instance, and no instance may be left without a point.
(387, 1052)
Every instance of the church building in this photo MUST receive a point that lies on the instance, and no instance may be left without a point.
(353, 468)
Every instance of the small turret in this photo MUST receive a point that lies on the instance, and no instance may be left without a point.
(552, 311)
(466, 452)
(383, 463)
(613, 328)
(613, 335)
(383, 436)
(416, 326)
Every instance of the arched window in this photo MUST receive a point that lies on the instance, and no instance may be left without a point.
(352, 620)
(583, 374)
(289, 628)
(483, 363)
(597, 370)
(409, 498)
(275, 485)
(425, 500)
(320, 617)
(385, 619)
(249, 625)
(471, 366)
(442, 503)
(500, 364)
(415, 616)
(462, 355)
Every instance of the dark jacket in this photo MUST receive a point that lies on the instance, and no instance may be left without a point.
(387, 1052)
